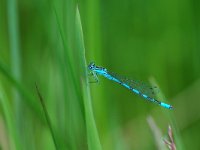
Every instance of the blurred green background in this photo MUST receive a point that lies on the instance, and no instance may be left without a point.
(41, 42)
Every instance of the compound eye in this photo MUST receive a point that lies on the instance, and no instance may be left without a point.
(91, 66)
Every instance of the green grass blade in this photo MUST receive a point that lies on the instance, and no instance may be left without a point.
(14, 42)
(9, 120)
(28, 98)
(47, 118)
(14, 38)
(92, 133)
(70, 85)
(72, 106)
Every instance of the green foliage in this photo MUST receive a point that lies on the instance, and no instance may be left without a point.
(50, 43)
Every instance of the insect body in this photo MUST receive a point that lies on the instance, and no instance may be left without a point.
(139, 88)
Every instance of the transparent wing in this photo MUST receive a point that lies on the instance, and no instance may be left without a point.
(144, 88)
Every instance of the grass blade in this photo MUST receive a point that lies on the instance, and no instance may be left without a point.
(13, 30)
(28, 98)
(92, 133)
(47, 117)
(9, 120)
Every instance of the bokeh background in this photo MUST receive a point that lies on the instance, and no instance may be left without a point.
(152, 41)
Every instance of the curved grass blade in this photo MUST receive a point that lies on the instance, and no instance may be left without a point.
(47, 117)
(92, 133)
(28, 98)
(9, 120)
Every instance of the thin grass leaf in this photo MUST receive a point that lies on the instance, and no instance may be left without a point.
(13, 30)
(47, 118)
(28, 98)
(156, 133)
(14, 42)
(9, 119)
(92, 133)
(72, 104)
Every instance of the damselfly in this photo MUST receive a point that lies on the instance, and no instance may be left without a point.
(136, 87)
